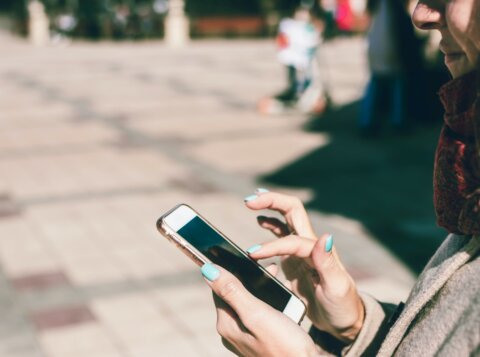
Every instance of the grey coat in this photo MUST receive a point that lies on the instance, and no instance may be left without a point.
(441, 317)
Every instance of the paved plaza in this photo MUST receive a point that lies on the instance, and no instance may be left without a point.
(97, 140)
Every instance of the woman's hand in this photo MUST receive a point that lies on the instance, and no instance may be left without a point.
(312, 266)
(248, 326)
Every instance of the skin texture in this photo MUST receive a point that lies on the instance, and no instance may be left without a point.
(458, 21)
(316, 275)
(249, 327)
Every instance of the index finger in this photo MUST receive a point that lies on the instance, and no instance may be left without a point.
(290, 207)
(273, 200)
(292, 246)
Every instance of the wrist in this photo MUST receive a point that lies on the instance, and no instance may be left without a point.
(350, 334)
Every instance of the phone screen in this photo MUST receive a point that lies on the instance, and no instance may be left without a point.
(211, 244)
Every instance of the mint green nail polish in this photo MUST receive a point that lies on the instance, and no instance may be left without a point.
(261, 190)
(329, 244)
(254, 248)
(210, 272)
(250, 198)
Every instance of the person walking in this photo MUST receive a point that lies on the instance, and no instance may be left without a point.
(396, 65)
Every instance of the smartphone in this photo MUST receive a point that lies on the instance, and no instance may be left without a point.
(203, 243)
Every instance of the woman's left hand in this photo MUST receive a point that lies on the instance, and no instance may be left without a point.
(250, 327)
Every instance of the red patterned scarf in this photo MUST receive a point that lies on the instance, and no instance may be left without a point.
(457, 161)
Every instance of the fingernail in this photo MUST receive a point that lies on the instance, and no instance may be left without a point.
(329, 244)
(250, 198)
(261, 190)
(254, 248)
(210, 272)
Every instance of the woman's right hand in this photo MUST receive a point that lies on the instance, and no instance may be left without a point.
(311, 265)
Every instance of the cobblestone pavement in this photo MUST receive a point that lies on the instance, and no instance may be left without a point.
(96, 141)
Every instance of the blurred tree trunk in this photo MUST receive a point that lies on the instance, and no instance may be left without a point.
(89, 14)
(20, 15)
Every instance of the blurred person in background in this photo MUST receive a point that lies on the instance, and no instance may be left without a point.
(397, 81)
(442, 314)
(63, 22)
(328, 7)
(298, 42)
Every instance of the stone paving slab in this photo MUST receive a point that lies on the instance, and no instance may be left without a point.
(96, 141)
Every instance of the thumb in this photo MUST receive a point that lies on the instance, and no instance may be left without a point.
(228, 288)
(326, 262)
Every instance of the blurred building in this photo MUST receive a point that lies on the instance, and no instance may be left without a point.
(139, 19)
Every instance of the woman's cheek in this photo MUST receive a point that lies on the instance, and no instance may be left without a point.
(474, 25)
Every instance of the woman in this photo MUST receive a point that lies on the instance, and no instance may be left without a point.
(442, 314)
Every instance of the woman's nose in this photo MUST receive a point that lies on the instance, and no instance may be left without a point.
(428, 15)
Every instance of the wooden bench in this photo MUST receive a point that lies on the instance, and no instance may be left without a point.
(236, 26)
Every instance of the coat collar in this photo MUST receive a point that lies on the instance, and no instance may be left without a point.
(454, 253)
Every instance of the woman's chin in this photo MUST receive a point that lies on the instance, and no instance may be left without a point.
(458, 65)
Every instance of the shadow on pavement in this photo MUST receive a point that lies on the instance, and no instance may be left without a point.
(385, 183)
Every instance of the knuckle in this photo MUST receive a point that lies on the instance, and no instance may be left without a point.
(297, 247)
(254, 318)
(221, 330)
(293, 240)
(228, 290)
(297, 202)
(329, 263)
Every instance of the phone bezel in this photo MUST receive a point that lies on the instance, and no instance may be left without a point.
(295, 308)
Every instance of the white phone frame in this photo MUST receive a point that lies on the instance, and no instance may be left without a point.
(172, 221)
